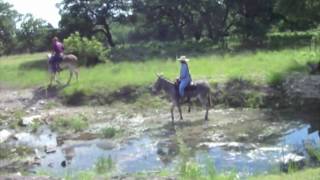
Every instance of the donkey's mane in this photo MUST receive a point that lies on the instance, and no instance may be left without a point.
(165, 79)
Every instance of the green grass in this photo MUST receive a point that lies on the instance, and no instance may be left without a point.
(261, 67)
(108, 132)
(308, 174)
(104, 165)
(12, 71)
(76, 123)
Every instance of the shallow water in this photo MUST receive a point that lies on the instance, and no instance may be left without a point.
(252, 153)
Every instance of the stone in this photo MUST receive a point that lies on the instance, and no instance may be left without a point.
(29, 120)
(64, 163)
(23, 137)
(292, 161)
(4, 135)
(50, 149)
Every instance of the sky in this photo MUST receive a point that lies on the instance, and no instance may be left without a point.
(43, 9)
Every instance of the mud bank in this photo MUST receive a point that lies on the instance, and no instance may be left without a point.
(295, 91)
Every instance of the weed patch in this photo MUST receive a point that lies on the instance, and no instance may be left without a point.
(77, 123)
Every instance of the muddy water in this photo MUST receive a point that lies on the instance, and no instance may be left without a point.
(245, 141)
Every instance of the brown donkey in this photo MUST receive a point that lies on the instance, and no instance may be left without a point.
(69, 62)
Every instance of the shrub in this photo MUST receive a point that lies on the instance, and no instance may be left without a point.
(289, 39)
(315, 47)
(108, 132)
(104, 165)
(89, 51)
(76, 123)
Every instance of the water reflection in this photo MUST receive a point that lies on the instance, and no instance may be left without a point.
(259, 150)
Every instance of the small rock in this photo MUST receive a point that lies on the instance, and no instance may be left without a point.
(41, 102)
(69, 153)
(4, 135)
(243, 137)
(294, 160)
(50, 165)
(30, 120)
(36, 161)
(23, 137)
(50, 149)
(64, 163)
(60, 140)
(292, 157)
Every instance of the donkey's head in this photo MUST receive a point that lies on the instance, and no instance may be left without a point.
(156, 87)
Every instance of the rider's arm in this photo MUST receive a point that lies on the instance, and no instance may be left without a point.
(183, 71)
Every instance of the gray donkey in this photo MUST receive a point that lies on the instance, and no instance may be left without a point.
(200, 90)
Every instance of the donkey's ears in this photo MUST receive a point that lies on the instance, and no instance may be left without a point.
(159, 74)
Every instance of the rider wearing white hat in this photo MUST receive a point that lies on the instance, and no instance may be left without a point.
(185, 77)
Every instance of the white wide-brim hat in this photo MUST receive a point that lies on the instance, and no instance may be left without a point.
(183, 59)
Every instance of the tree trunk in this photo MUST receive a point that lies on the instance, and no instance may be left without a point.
(108, 35)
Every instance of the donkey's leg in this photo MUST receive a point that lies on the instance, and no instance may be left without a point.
(171, 110)
(205, 105)
(207, 112)
(208, 104)
(56, 77)
(70, 76)
(51, 78)
(76, 72)
(189, 104)
(179, 108)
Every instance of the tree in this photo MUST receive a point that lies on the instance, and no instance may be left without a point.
(216, 17)
(253, 20)
(8, 18)
(97, 14)
(298, 14)
(34, 34)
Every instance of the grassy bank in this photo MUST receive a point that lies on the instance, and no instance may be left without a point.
(308, 174)
(261, 67)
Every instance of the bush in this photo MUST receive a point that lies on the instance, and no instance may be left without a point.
(104, 165)
(289, 39)
(89, 51)
(154, 49)
(77, 123)
(108, 132)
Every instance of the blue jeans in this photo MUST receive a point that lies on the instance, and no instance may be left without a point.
(54, 62)
(183, 84)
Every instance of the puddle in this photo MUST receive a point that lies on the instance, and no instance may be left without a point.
(254, 144)
(135, 156)
(259, 160)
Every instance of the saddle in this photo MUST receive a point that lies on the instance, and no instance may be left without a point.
(190, 87)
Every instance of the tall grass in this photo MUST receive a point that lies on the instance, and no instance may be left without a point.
(189, 169)
(13, 73)
(308, 174)
(261, 67)
(76, 123)
(104, 165)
